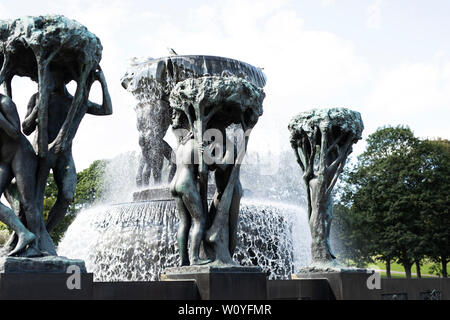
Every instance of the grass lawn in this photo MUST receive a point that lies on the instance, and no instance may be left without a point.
(425, 270)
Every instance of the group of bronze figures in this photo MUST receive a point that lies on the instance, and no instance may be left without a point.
(212, 104)
(51, 51)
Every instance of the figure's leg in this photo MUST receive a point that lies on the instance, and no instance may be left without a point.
(24, 167)
(193, 202)
(183, 231)
(172, 170)
(171, 158)
(143, 173)
(328, 219)
(140, 170)
(147, 163)
(12, 196)
(65, 177)
(8, 216)
(222, 178)
(157, 164)
(46, 245)
(234, 215)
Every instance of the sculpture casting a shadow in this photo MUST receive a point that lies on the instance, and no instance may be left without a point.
(203, 109)
(322, 139)
(52, 51)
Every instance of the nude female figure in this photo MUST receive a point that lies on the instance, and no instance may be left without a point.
(17, 159)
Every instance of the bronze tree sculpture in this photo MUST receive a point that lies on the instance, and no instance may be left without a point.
(201, 106)
(52, 51)
(322, 139)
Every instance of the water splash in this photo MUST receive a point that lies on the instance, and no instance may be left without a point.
(274, 236)
(137, 241)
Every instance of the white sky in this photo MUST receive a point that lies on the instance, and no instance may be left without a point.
(388, 59)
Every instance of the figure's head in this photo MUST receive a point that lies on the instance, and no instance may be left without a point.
(179, 119)
(59, 79)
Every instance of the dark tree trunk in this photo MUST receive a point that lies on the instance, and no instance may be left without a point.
(444, 267)
(407, 266)
(407, 263)
(388, 269)
(419, 275)
(320, 250)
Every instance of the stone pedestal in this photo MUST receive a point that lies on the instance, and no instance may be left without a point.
(48, 264)
(43, 286)
(44, 278)
(223, 283)
(345, 284)
(299, 289)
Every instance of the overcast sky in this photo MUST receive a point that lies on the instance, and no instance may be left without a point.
(388, 59)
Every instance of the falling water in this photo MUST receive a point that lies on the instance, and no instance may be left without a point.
(137, 241)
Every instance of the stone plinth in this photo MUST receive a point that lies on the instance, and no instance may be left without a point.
(146, 290)
(299, 289)
(48, 264)
(223, 283)
(346, 284)
(43, 278)
(44, 286)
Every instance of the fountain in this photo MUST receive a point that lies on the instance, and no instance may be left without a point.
(205, 230)
(136, 241)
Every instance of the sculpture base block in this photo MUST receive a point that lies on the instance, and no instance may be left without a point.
(48, 264)
(299, 289)
(44, 286)
(345, 284)
(223, 283)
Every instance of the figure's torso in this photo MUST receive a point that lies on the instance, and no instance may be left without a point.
(58, 108)
(8, 145)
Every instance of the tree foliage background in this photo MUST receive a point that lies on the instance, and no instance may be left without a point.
(89, 190)
(393, 202)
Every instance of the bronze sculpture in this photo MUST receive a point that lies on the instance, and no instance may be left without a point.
(322, 139)
(17, 160)
(52, 51)
(202, 105)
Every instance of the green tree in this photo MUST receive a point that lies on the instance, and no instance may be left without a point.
(379, 194)
(395, 201)
(90, 185)
(434, 198)
(89, 190)
(349, 237)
